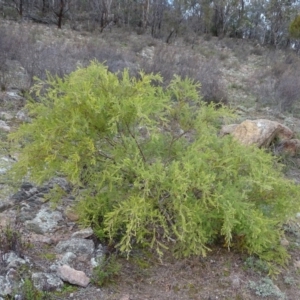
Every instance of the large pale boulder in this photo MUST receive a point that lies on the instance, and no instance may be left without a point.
(260, 132)
(73, 276)
(228, 129)
(291, 147)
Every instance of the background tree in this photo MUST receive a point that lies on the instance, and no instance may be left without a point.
(294, 28)
(294, 31)
(60, 9)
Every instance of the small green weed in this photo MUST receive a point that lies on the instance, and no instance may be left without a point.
(55, 195)
(67, 289)
(30, 292)
(256, 264)
(236, 86)
(107, 270)
(48, 256)
(11, 239)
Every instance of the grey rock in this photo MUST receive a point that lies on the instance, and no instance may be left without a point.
(14, 278)
(5, 205)
(13, 260)
(98, 257)
(45, 221)
(27, 186)
(16, 76)
(22, 116)
(13, 97)
(67, 259)
(27, 212)
(5, 116)
(5, 287)
(5, 162)
(77, 246)
(147, 53)
(4, 126)
(19, 196)
(62, 182)
(46, 281)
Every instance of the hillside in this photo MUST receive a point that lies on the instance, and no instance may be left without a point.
(256, 81)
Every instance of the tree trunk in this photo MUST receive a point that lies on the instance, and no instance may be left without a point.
(21, 8)
(60, 14)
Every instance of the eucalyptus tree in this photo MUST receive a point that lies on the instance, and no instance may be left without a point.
(103, 9)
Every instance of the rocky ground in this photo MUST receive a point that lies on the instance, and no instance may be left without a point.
(43, 248)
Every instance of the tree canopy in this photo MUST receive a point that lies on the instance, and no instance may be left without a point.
(267, 21)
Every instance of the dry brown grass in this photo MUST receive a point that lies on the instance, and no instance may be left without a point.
(279, 81)
(168, 61)
(60, 53)
(41, 49)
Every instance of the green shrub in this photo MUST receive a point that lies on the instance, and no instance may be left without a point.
(148, 167)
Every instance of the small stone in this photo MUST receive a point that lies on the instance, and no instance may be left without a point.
(284, 242)
(73, 276)
(67, 258)
(46, 281)
(236, 282)
(5, 288)
(13, 260)
(5, 205)
(297, 264)
(125, 297)
(77, 246)
(83, 234)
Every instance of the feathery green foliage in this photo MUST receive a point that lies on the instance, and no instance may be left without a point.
(148, 167)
